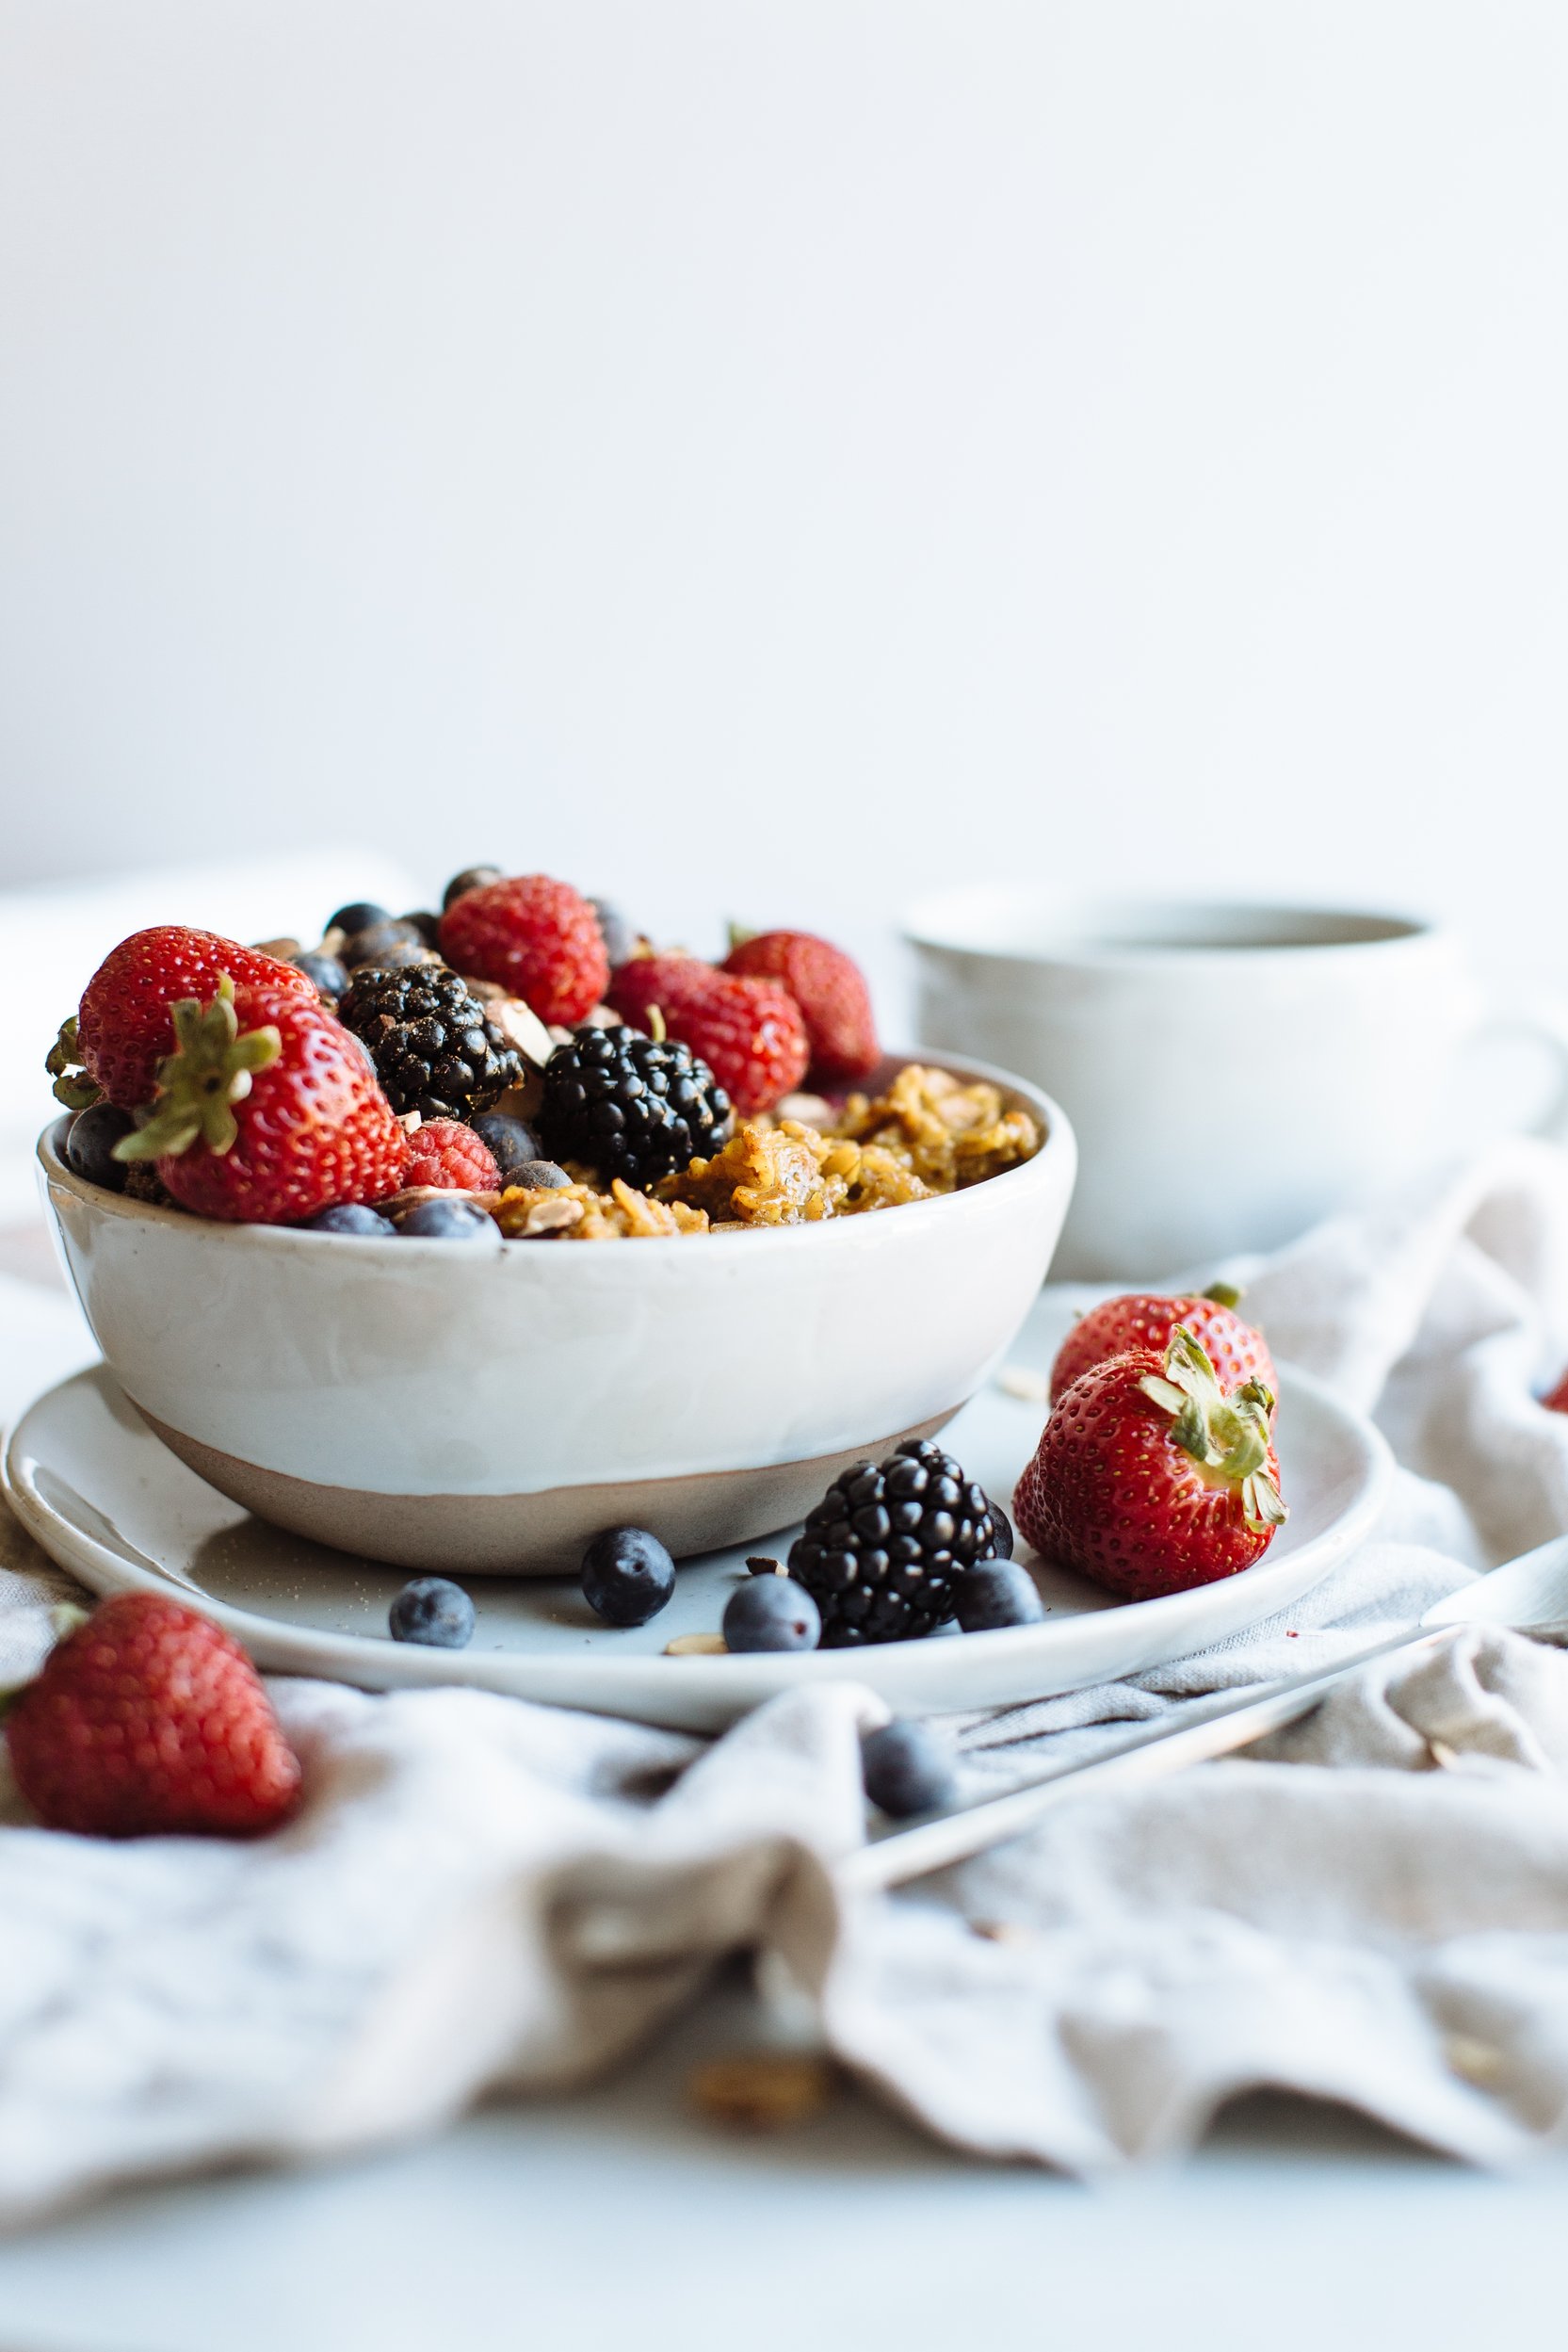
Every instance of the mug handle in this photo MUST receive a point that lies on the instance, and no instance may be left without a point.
(1543, 1019)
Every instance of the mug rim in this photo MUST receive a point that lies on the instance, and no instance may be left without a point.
(950, 922)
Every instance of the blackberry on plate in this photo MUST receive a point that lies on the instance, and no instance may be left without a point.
(630, 1106)
(435, 1051)
(882, 1552)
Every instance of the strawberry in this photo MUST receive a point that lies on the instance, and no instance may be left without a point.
(536, 938)
(749, 1033)
(267, 1110)
(122, 1028)
(1145, 1319)
(830, 991)
(447, 1154)
(1149, 1479)
(149, 1720)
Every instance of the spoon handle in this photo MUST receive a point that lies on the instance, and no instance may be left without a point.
(1214, 1727)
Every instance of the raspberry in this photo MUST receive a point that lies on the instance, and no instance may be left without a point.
(749, 1033)
(450, 1156)
(830, 989)
(537, 938)
(149, 1720)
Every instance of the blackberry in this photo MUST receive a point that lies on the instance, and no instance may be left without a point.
(630, 1108)
(434, 1049)
(883, 1552)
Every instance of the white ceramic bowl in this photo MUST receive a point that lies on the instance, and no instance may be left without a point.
(438, 1406)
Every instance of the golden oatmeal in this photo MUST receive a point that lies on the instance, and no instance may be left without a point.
(927, 1135)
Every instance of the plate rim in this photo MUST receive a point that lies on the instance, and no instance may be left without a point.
(704, 1692)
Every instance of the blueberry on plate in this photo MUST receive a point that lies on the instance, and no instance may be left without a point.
(771, 1613)
(432, 1611)
(907, 1769)
(510, 1143)
(90, 1141)
(471, 878)
(453, 1220)
(620, 936)
(349, 1217)
(358, 915)
(540, 1175)
(627, 1576)
(996, 1593)
(327, 973)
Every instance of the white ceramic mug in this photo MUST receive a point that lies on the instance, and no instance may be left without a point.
(1233, 1073)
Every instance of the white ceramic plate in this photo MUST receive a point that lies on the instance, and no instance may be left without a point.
(109, 1501)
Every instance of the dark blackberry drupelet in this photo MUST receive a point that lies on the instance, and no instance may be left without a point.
(883, 1552)
(629, 1108)
(434, 1050)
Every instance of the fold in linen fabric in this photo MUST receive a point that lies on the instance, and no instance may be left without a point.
(483, 1894)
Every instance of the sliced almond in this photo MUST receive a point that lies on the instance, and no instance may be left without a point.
(522, 1027)
(552, 1216)
(1023, 1381)
(697, 1646)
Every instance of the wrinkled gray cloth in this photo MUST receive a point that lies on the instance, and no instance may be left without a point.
(485, 1895)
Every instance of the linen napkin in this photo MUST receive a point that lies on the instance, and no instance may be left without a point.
(482, 1895)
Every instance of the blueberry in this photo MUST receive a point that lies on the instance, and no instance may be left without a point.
(540, 1175)
(325, 974)
(620, 936)
(89, 1143)
(349, 1217)
(907, 1769)
(358, 916)
(426, 924)
(771, 1613)
(1001, 1531)
(387, 944)
(433, 1611)
(453, 1220)
(509, 1142)
(627, 1576)
(471, 878)
(995, 1593)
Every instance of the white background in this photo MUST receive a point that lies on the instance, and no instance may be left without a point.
(768, 459)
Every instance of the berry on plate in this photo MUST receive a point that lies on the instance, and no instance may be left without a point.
(267, 1110)
(452, 1218)
(998, 1593)
(631, 1106)
(1149, 1479)
(907, 1768)
(123, 1026)
(830, 989)
(882, 1552)
(749, 1033)
(434, 1612)
(771, 1613)
(538, 939)
(449, 1155)
(350, 1217)
(149, 1720)
(627, 1576)
(1145, 1319)
(435, 1048)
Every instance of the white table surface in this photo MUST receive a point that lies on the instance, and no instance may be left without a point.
(616, 2217)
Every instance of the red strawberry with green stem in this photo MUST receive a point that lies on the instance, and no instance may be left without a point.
(1146, 1318)
(147, 1720)
(122, 1028)
(267, 1110)
(749, 1033)
(830, 989)
(1149, 1479)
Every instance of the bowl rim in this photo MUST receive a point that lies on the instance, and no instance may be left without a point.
(1058, 1141)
